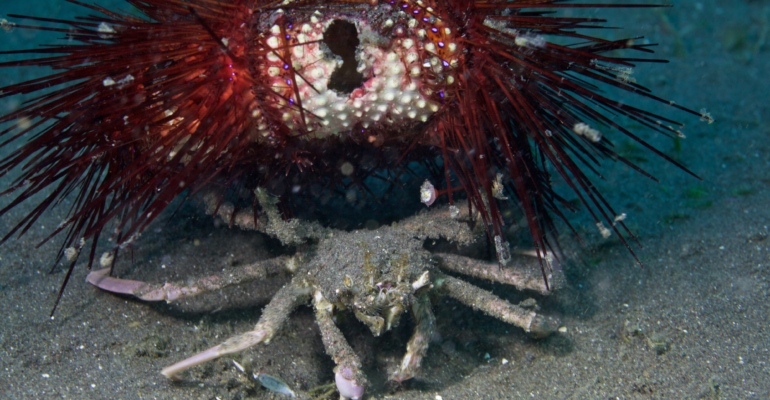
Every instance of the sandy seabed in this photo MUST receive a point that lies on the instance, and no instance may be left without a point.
(692, 324)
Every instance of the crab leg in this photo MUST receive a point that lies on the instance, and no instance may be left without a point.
(522, 276)
(483, 300)
(273, 318)
(351, 382)
(418, 344)
(175, 291)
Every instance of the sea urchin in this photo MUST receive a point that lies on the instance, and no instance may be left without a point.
(239, 95)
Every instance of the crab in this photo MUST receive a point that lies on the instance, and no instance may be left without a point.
(376, 274)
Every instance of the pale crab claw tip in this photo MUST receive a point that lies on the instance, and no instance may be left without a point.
(347, 387)
(423, 280)
(172, 371)
(101, 280)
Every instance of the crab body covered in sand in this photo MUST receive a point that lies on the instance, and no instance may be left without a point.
(377, 275)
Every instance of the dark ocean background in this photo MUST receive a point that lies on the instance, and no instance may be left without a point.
(693, 323)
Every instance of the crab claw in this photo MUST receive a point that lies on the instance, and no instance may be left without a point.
(541, 327)
(141, 290)
(102, 280)
(346, 384)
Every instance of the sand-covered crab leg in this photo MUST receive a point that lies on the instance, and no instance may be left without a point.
(425, 324)
(522, 275)
(351, 382)
(273, 317)
(174, 291)
(479, 299)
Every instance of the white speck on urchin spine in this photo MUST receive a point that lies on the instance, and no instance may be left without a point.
(603, 230)
(529, 40)
(106, 30)
(583, 129)
(705, 116)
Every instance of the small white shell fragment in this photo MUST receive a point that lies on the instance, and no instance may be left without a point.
(505, 361)
(239, 366)
(454, 211)
(70, 253)
(423, 280)
(106, 259)
(428, 193)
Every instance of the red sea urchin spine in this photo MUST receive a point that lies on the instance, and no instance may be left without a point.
(148, 109)
(196, 93)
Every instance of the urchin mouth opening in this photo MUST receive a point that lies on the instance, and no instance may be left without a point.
(342, 38)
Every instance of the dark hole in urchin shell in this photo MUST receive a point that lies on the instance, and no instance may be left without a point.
(342, 38)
